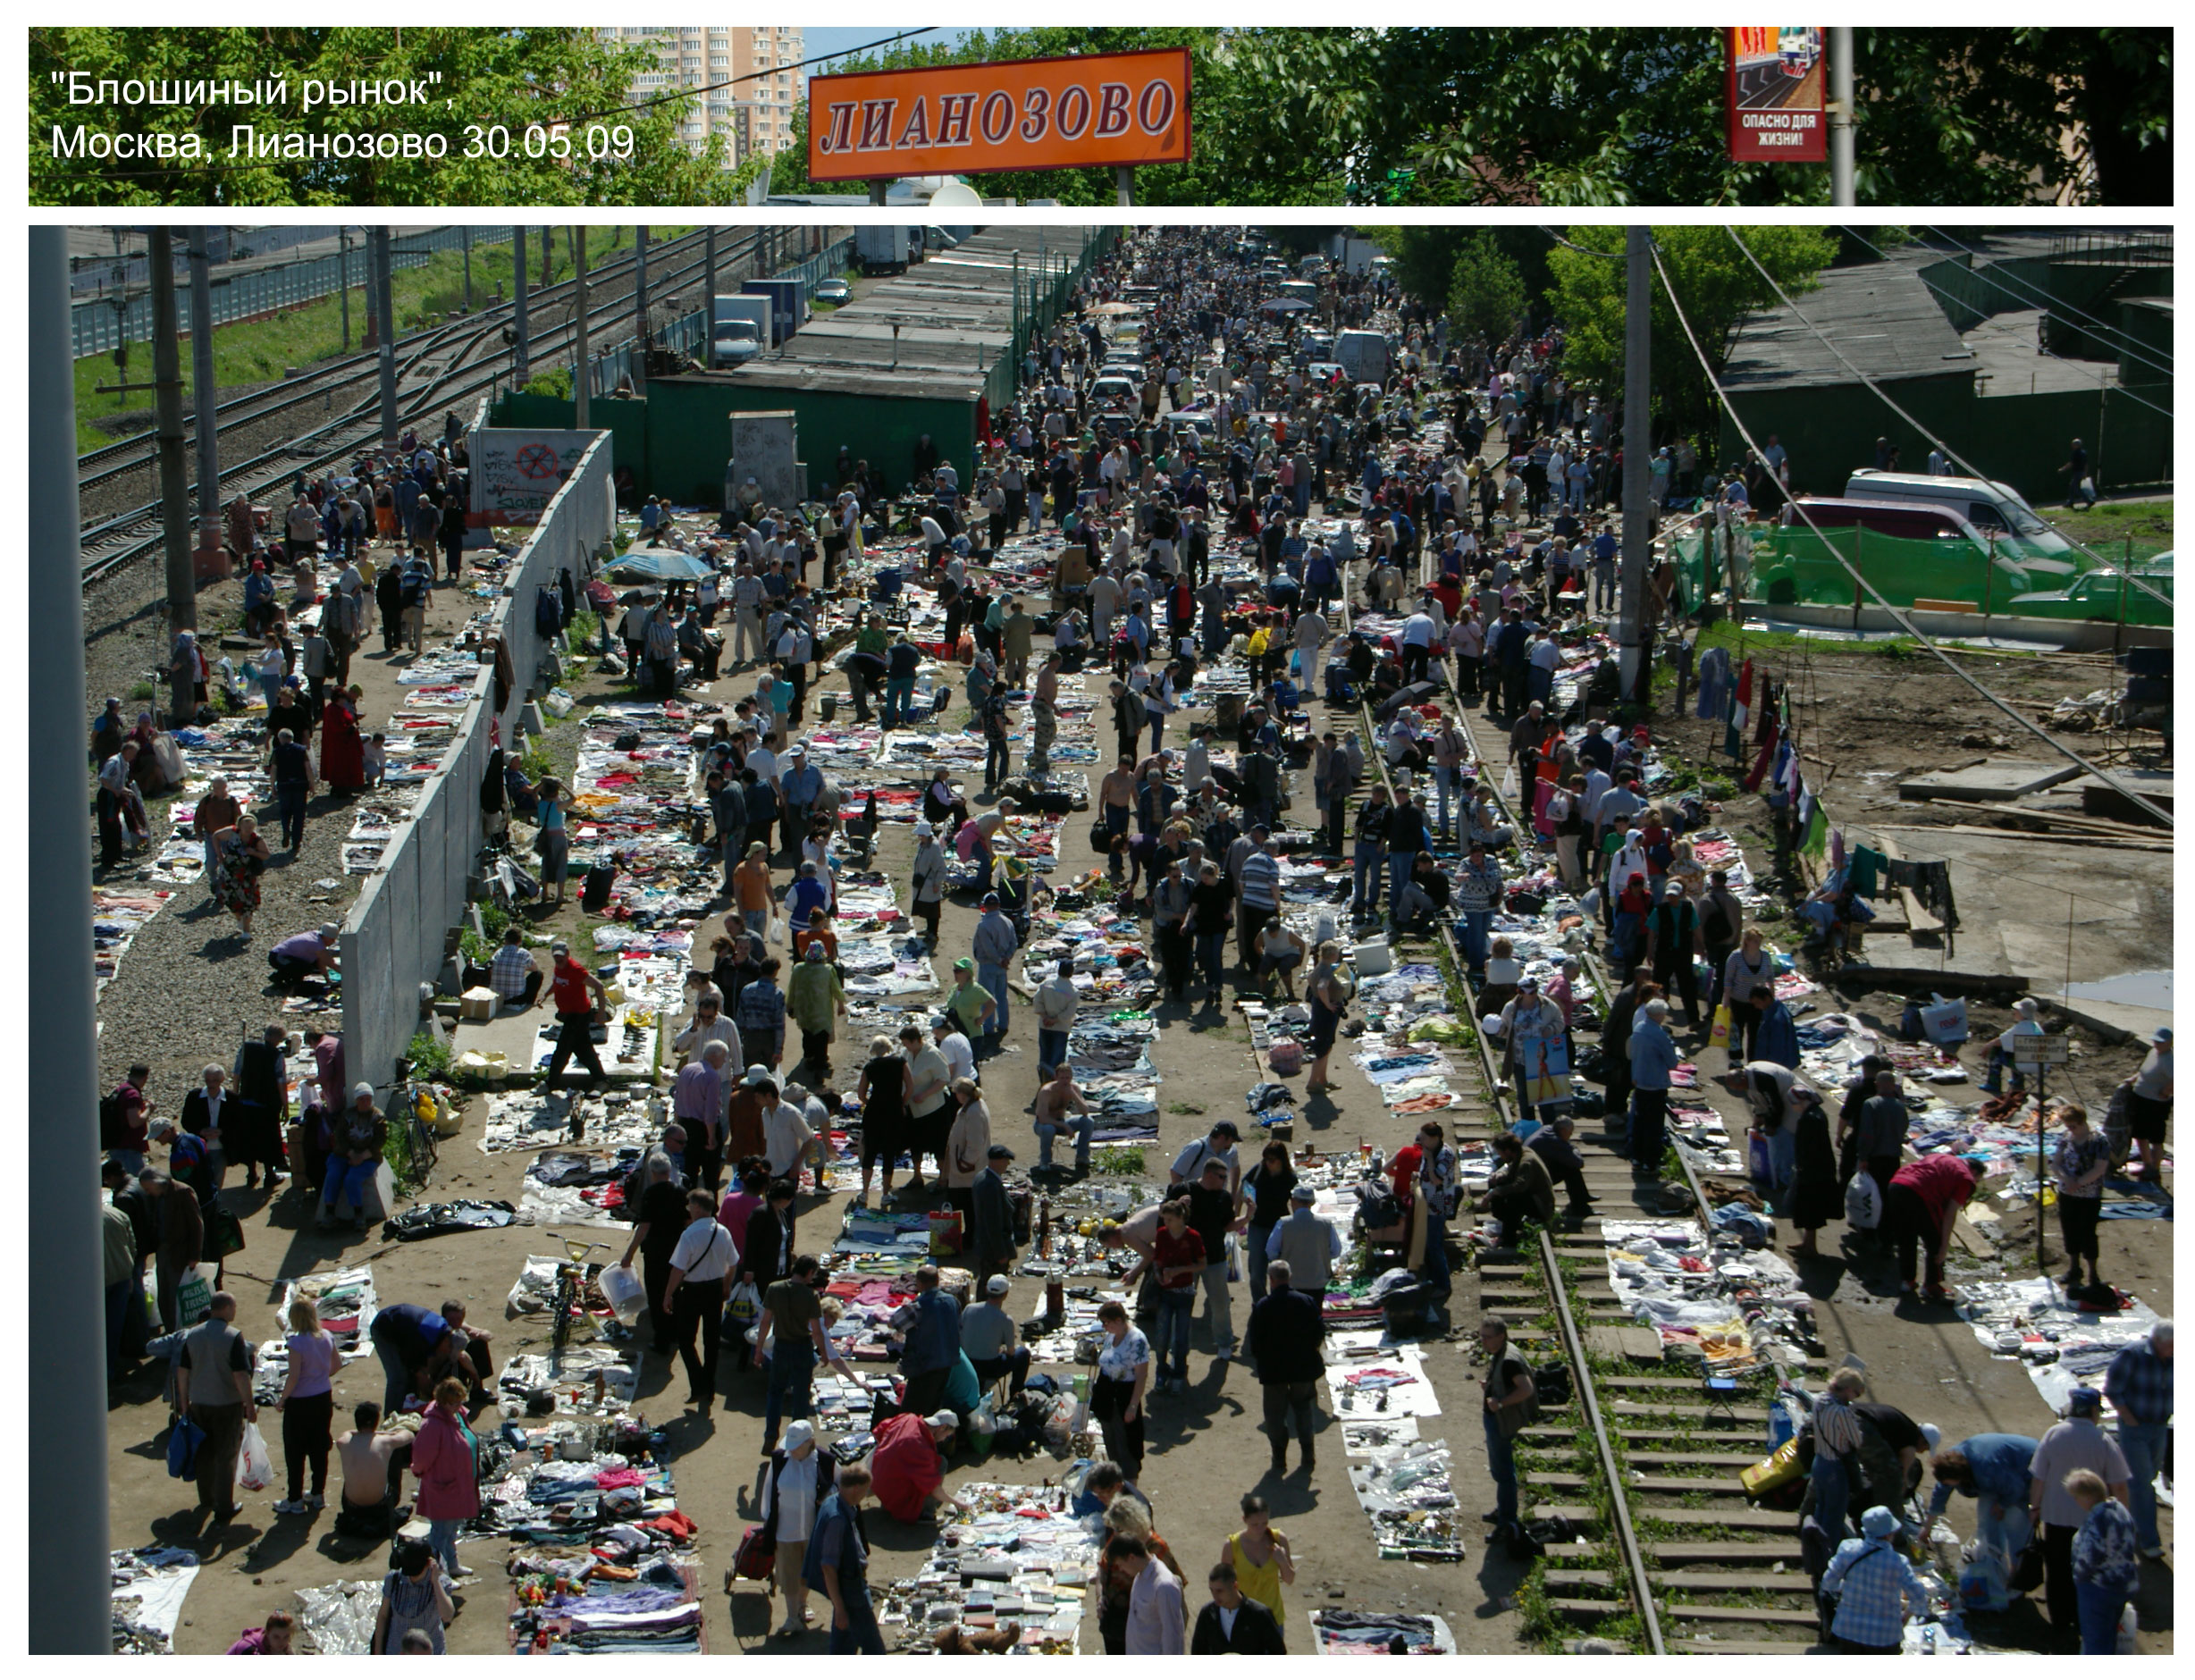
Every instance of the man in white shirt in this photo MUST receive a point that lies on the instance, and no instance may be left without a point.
(700, 1280)
(953, 1045)
(1056, 1002)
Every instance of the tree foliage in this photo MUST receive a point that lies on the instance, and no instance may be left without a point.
(515, 78)
(1714, 283)
(1486, 294)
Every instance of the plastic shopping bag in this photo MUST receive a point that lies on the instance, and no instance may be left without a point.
(627, 1295)
(1718, 1033)
(255, 1466)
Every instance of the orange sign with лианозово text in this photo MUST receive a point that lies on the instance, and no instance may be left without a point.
(993, 119)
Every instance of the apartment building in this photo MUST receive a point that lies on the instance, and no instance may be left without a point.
(756, 111)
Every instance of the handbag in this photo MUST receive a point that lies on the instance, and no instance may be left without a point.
(224, 1233)
(2027, 1570)
(183, 1442)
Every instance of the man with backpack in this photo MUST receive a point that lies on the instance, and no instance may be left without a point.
(1722, 920)
(415, 586)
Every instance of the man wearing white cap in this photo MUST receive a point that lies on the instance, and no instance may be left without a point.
(797, 1476)
(930, 869)
(2024, 1026)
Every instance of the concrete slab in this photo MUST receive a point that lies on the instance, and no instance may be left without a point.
(2115, 1021)
(1624, 1342)
(2098, 798)
(1997, 779)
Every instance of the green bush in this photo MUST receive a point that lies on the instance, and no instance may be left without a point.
(429, 1057)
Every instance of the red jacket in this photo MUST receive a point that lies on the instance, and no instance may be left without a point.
(442, 1459)
(905, 1466)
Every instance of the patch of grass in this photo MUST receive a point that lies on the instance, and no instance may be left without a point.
(429, 1057)
(1184, 1108)
(581, 635)
(140, 690)
(2111, 527)
(1118, 1158)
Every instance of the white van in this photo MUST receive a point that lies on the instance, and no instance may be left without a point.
(1998, 510)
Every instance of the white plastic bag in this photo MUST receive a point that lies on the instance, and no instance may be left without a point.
(1944, 1019)
(626, 1293)
(1863, 1203)
(255, 1466)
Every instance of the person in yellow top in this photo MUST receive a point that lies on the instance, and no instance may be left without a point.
(1263, 1562)
(751, 889)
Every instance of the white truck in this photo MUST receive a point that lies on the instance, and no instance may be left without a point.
(1363, 356)
(739, 327)
(1352, 255)
(886, 251)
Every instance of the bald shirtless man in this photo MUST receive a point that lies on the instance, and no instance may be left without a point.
(1056, 1099)
(374, 1466)
(1116, 796)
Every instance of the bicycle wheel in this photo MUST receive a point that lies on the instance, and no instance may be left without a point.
(562, 1310)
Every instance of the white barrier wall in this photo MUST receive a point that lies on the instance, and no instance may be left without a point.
(395, 936)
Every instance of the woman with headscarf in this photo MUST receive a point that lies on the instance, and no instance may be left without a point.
(342, 752)
(108, 731)
(145, 770)
(186, 679)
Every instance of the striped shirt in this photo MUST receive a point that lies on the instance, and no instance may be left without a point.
(509, 972)
(1261, 881)
(1836, 1427)
(1874, 1583)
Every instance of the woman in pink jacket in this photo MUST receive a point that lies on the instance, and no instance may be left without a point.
(442, 1458)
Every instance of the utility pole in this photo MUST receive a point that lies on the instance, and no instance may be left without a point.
(342, 281)
(202, 386)
(465, 235)
(1124, 185)
(1840, 116)
(384, 309)
(1637, 454)
(547, 259)
(68, 1605)
(582, 374)
(708, 298)
(640, 308)
(518, 315)
(168, 406)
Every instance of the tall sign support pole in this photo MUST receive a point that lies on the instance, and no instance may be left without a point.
(465, 234)
(342, 281)
(877, 190)
(1841, 188)
(583, 376)
(67, 1604)
(1124, 185)
(520, 373)
(168, 406)
(205, 394)
(1637, 452)
(708, 298)
(385, 306)
(640, 306)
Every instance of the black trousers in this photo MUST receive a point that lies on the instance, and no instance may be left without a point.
(699, 1307)
(1284, 1401)
(2077, 1217)
(655, 1273)
(575, 1037)
(1123, 1435)
(307, 1438)
(2059, 1594)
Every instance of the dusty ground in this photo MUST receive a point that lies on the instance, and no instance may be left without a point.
(1207, 1448)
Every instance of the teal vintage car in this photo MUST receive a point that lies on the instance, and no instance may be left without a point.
(2103, 597)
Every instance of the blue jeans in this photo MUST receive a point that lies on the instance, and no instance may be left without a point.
(396, 1378)
(1051, 1049)
(1832, 1495)
(1539, 684)
(1477, 925)
(1048, 1133)
(2100, 1607)
(898, 699)
(1398, 866)
(1993, 1081)
(1176, 1307)
(1445, 778)
(2143, 1447)
(289, 802)
(1254, 1240)
(792, 1376)
(992, 977)
(860, 1636)
(346, 1182)
(1368, 873)
(1212, 956)
(442, 1541)
(1502, 1463)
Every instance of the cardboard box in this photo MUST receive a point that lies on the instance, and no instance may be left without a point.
(480, 1004)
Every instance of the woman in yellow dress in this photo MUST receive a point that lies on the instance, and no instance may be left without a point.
(1263, 1562)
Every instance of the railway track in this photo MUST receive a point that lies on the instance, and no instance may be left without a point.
(1643, 1461)
(140, 451)
(442, 367)
(1672, 1554)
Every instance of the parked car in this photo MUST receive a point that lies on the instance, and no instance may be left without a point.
(737, 341)
(2103, 597)
(1996, 510)
(833, 291)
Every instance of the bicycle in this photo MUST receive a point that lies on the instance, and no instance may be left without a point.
(571, 1284)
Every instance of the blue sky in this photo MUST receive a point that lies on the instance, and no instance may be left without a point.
(838, 40)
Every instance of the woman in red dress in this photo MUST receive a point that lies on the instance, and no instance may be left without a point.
(342, 754)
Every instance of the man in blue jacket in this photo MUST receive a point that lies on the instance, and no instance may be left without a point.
(1654, 1059)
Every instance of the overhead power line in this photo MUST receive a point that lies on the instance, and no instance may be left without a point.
(1859, 578)
(1896, 408)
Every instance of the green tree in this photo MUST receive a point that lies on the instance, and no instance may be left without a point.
(1486, 294)
(1714, 283)
(512, 77)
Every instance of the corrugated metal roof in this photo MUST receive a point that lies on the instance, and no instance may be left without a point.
(1881, 317)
